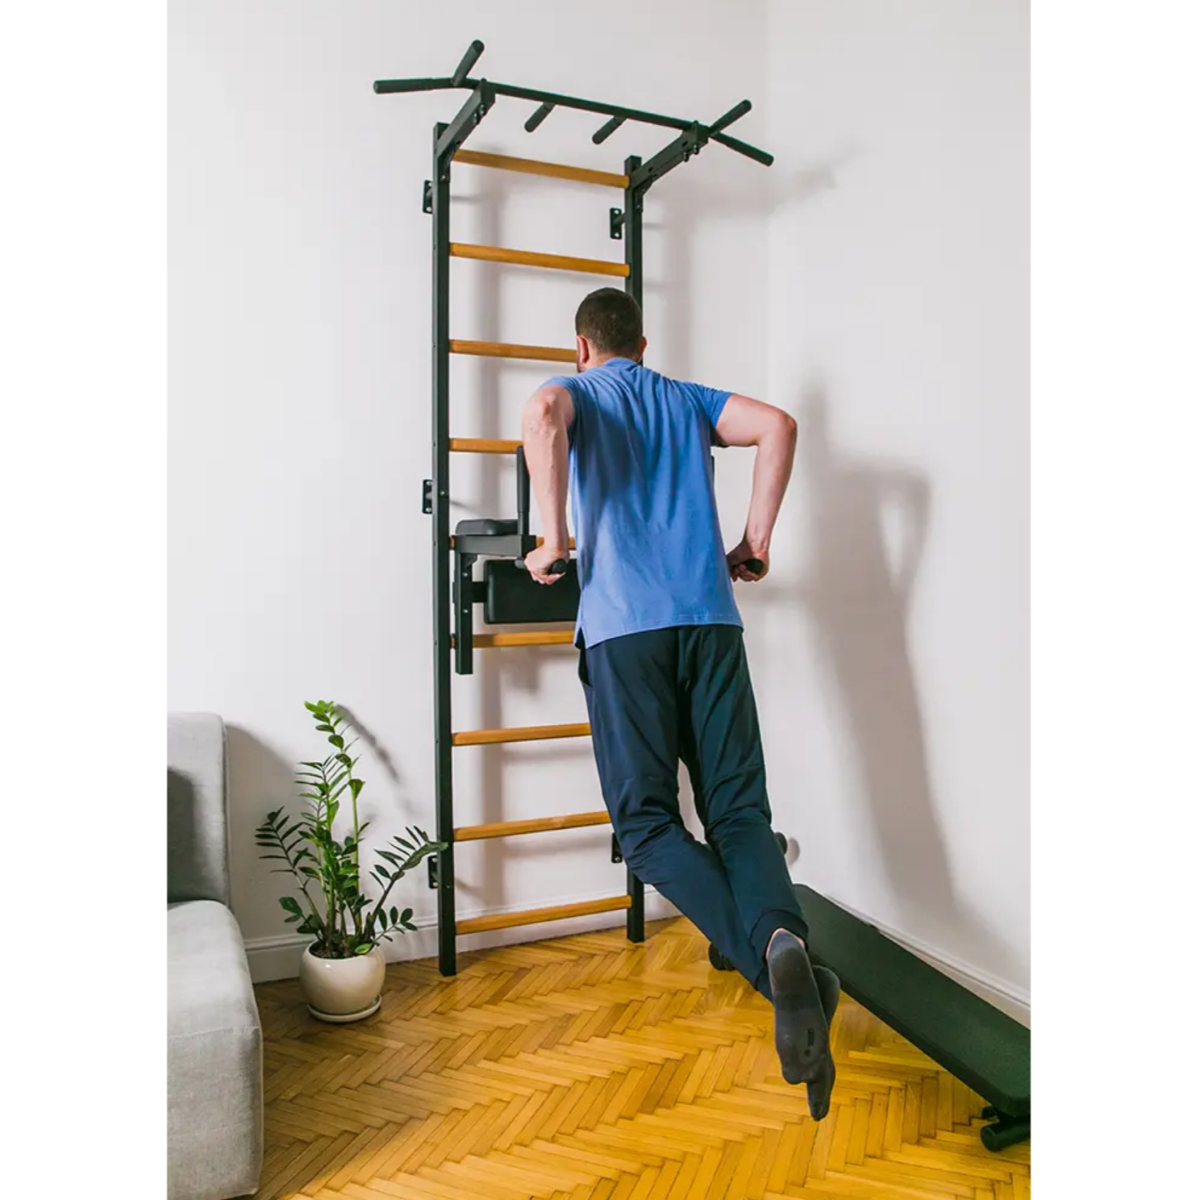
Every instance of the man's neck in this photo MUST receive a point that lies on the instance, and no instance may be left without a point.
(600, 362)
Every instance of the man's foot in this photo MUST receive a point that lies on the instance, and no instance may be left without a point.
(820, 1085)
(801, 1029)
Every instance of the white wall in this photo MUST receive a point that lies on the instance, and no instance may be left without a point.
(877, 273)
(299, 380)
(898, 672)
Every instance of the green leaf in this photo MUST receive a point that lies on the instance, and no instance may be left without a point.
(406, 914)
(291, 904)
(394, 915)
(338, 741)
(356, 786)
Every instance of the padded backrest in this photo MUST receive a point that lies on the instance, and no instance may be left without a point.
(197, 821)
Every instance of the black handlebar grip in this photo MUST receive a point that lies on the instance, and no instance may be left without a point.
(474, 50)
(744, 148)
(755, 566)
(735, 113)
(559, 566)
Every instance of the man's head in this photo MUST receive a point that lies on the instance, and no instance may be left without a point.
(608, 324)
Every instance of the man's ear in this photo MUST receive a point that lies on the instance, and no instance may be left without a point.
(642, 351)
(583, 351)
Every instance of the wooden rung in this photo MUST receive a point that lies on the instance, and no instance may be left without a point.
(471, 833)
(528, 258)
(505, 350)
(483, 446)
(527, 733)
(537, 916)
(531, 166)
(532, 637)
(539, 542)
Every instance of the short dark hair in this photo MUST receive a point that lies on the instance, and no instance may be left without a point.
(612, 321)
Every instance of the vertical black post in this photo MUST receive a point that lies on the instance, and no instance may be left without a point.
(522, 494)
(464, 613)
(635, 917)
(443, 761)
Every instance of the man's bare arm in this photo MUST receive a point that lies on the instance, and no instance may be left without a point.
(747, 422)
(547, 418)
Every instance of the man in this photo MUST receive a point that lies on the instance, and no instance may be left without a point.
(661, 654)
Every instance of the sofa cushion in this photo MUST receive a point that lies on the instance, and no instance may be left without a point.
(208, 978)
(214, 1057)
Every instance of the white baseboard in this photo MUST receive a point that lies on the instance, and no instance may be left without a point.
(279, 957)
(997, 992)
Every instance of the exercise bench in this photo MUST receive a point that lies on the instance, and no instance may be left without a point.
(970, 1038)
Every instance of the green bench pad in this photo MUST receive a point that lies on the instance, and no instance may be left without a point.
(971, 1039)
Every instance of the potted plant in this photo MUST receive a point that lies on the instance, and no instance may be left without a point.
(342, 970)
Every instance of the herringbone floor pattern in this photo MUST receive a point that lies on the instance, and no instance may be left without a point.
(587, 1067)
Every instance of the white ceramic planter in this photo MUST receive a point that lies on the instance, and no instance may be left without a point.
(342, 990)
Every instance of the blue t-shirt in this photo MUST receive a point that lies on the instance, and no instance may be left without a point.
(648, 543)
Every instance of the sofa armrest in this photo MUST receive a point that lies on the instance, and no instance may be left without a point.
(197, 818)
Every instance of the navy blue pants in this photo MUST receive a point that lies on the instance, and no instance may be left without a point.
(684, 693)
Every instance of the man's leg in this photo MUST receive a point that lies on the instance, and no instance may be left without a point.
(721, 743)
(722, 747)
(633, 704)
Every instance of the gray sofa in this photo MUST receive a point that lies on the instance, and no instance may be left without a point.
(214, 1040)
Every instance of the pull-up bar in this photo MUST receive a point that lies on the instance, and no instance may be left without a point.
(695, 133)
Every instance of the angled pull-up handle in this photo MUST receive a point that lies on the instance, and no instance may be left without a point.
(735, 113)
(732, 143)
(539, 115)
(474, 50)
(607, 129)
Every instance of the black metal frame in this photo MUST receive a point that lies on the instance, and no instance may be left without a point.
(460, 593)
(548, 101)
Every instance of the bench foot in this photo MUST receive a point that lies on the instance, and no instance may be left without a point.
(1004, 1131)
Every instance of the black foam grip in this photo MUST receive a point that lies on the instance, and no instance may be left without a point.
(474, 50)
(723, 122)
(754, 565)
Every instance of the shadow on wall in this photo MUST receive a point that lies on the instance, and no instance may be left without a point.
(857, 595)
(261, 780)
(687, 206)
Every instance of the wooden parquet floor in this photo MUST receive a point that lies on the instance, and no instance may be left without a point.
(587, 1067)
